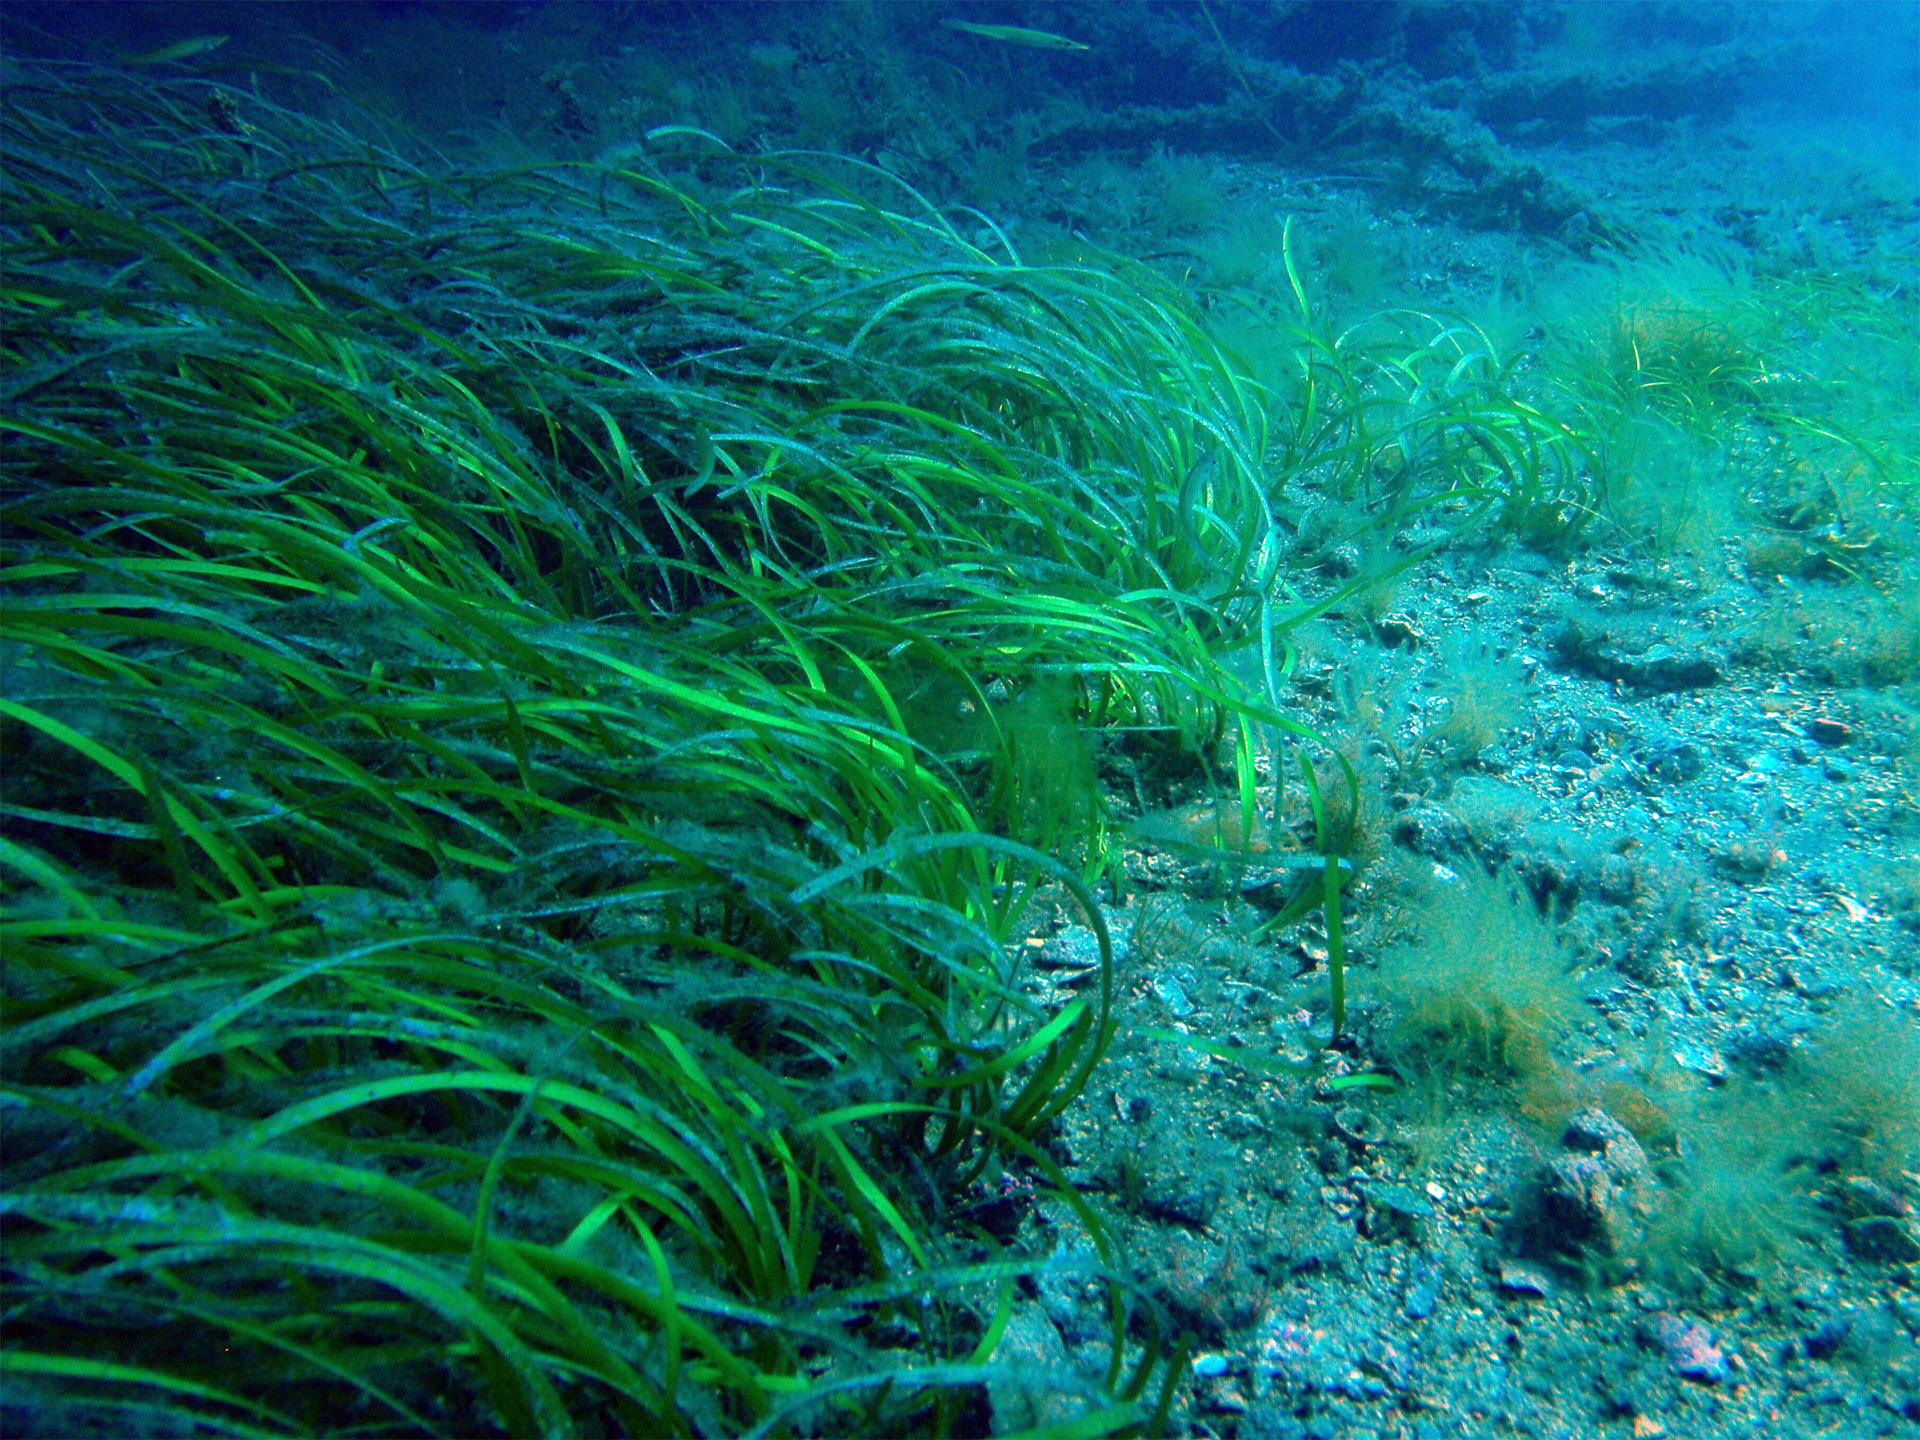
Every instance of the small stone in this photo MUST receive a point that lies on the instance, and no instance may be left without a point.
(1433, 832)
(1576, 1199)
(1189, 1203)
(1399, 630)
(1401, 1200)
(1173, 996)
(1825, 1342)
(1359, 1126)
(1423, 1296)
(1519, 1278)
(1825, 730)
(1679, 763)
(1689, 1348)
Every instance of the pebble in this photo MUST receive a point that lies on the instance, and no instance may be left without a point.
(1689, 1348)
(1826, 1341)
(1173, 997)
(1423, 1296)
(1076, 947)
(1678, 763)
(1400, 1199)
(1825, 730)
(1519, 1278)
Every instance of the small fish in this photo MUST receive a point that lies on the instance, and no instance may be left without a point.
(1018, 35)
(179, 50)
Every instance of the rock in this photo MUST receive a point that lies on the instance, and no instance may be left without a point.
(1431, 831)
(1398, 630)
(1516, 1277)
(1825, 1342)
(1825, 730)
(1576, 1203)
(1676, 764)
(1182, 1200)
(1689, 1348)
(1885, 1239)
(1423, 1293)
(1597, 1195)
(1395, 1211)
(1862, 1195)
(1636, 658)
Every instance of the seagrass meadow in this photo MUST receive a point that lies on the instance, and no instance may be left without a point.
(537, 704)
(500, 932)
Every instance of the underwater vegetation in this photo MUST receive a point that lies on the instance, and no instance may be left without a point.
(1766, 1168)
(496, 938)
(1729, 410)
(534, 701)
(1741, 1188)
(1864, 1069)
(1481, 990)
